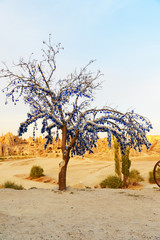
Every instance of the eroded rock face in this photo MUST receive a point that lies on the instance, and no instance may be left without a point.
(2, 139)
(14, 145)
(5, 150)
(1, 149)
(9, 139)
(8, 143)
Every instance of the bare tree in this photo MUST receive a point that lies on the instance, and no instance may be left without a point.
(65, 105)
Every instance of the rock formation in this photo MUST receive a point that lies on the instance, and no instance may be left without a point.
(14, 145)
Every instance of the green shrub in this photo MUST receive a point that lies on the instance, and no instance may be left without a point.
(111, 182)
(151, 178)
(9, 184)
(134, 177)
(36, 172)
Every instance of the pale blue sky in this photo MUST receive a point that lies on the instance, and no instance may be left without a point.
(122, 35)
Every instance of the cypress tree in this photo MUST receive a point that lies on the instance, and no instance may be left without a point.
(126, 163)
(117, 158)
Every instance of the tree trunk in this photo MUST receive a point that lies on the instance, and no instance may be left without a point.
(66, 157)
(63, 170)
(64, 163)
(125, 183)
(62, 175)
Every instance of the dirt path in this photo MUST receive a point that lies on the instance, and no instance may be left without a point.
(80, 215)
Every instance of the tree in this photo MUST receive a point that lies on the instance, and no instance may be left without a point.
(126, 163)
(122, 162)
(117, 158)
(64, 105)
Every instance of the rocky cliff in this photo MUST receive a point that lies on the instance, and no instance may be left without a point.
(14, 145)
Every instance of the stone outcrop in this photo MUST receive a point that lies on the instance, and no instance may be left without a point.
(13, 145)
(1, 149)
(8, 144)
(5, 150)
(9, 139)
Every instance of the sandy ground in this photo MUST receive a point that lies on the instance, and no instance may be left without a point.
(97, 214)
(77, 214)
(80, 173)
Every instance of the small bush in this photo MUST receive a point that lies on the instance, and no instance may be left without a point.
(151, 178)
(134, 177)
(36, 172)
(9, 184)
(111, 182)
